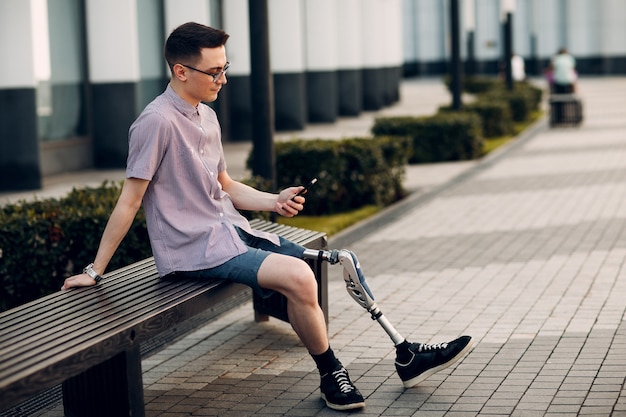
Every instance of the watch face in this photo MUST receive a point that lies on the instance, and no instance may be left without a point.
(89, 271)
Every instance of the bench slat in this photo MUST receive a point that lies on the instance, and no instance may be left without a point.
(90, 321)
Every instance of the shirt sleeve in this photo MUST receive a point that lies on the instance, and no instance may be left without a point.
(147, 143)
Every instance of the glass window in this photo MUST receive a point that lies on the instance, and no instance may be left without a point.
(59, 45)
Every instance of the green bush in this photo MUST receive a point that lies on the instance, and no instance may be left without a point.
(43, 242)
(351, 172)
(522, 101)
(495, 116)
(479, 84)
(475, 84)
(396, 151)
(452, 136)
(491, 95)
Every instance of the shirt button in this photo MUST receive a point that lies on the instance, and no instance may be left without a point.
(221, 214)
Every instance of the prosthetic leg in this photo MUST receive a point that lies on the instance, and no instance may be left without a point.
(356, 286)
(414, 361)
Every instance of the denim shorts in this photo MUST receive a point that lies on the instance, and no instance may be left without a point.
(244, 268)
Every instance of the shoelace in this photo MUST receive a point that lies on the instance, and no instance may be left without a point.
(341, 376)
(435, 346)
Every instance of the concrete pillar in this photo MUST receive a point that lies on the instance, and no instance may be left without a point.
(613, 33)
(321, 60)
(153, 72)
(547, 20)
(349, 57)
(237, 25)
(373, 44)
(579, 32)
(488, 36)
(288, 63)
(113, 39)
(522, 29)
(429, 37)
(392, 50)
(409, 41)
(19, 147)
(177, 12)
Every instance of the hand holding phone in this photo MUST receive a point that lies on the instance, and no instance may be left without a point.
(306, 187)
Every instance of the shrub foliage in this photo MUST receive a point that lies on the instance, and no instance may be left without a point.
(43, 242)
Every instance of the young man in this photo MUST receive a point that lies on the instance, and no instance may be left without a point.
(176, 169)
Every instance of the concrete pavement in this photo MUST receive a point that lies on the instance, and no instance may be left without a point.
(524, 250)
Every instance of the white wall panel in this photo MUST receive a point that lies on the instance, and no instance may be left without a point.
(613, 27)
(286, 20)
(112, 41)
(237, 25)
(321, 35)
(178, 12)
(16, 42)
(348, 34)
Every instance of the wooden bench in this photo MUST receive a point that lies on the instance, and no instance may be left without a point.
(88, 339)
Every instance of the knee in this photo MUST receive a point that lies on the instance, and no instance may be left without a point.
(303, 285)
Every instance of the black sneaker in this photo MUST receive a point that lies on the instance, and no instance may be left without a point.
(417, 361)
(339, 392)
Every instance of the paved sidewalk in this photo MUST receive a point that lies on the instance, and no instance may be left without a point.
(524, 251)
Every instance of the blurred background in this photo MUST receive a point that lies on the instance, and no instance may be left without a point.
(76, 73)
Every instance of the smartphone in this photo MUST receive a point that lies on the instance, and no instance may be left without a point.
(306, 187)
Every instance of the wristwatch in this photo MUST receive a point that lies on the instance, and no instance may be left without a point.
(93, 274)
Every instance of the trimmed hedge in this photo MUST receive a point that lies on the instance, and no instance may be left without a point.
(452, 136)
(522, 101)
(498, 107)
(495, 116)
(43, 242)
(352, 172)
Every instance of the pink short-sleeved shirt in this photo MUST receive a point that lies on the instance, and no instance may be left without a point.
(191, 220)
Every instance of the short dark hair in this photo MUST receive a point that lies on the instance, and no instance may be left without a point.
(186, 41)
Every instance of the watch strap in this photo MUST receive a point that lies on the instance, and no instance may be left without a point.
(93, 274)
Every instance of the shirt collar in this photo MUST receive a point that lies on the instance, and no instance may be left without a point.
(181, 105)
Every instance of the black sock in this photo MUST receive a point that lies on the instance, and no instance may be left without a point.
(326, 362)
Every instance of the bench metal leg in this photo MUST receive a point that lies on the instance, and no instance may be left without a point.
(112, 388)
(276, 304)
(260, 317)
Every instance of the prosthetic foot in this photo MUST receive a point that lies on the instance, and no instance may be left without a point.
(414, 361)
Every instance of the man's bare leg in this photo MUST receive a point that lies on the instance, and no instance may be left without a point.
(293, 278)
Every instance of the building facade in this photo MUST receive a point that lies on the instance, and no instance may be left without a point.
(76, 73)
(592, 30)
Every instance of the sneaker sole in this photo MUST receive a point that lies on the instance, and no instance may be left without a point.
(343, 407)
(410, 383)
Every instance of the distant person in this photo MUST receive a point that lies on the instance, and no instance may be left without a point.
(518, 68)
(176, 169)
(563, 73)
